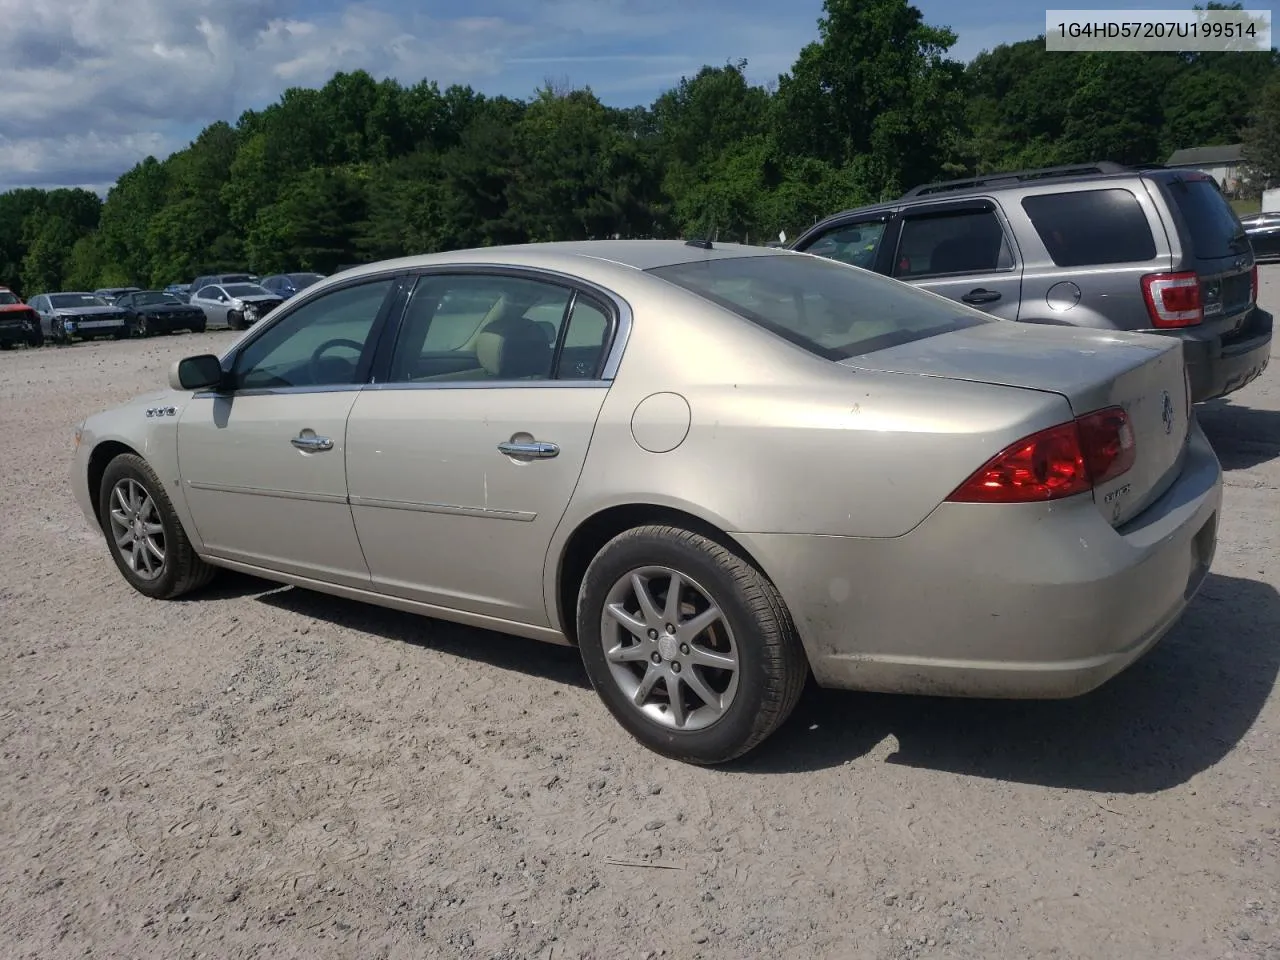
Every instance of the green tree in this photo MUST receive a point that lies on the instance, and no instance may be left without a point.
(1262, 140)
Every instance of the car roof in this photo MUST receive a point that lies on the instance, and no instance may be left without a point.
(999, 186)
(570, 255)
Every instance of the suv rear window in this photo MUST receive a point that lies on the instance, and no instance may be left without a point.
(828, 308)
(1215, 231)
(1091, 227)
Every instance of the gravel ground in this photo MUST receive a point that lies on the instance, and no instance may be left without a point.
(265, 772)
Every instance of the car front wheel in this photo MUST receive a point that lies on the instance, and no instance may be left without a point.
(689, 646)
(144, 534)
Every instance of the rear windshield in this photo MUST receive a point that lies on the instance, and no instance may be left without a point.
(1215, 231)
(1091, 227)
(828, 308)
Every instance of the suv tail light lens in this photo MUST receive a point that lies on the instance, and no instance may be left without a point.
(1173, 299)
(1061, 461)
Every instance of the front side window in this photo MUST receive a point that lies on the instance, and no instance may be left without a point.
(479, 327)
(1091, 227)
(852, 243)
(319, 344)
(967, 241)
(825, 307)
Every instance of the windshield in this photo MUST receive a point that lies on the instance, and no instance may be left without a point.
(246, 290)
(147, 299)
(71, 300)
(6, 297)
(828, 308)
(303, 280)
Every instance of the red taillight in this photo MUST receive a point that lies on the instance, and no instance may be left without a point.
(1173, 299)
(1062, 461)
(1107, 440)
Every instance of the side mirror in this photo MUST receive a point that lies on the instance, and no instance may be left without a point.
(196, 373)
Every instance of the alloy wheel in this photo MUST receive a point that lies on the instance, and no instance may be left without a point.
(137, 529)
(670, 648)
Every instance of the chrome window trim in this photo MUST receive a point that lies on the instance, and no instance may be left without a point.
(624, 320)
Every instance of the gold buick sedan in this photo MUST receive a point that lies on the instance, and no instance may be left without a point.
(716, 469)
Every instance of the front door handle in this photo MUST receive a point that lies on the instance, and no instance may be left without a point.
(311, 442)
(981, 296)
(530, 450)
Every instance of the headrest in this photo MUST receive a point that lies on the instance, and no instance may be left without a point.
(512, 348)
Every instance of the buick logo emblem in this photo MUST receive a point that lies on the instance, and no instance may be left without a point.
(1166, 413)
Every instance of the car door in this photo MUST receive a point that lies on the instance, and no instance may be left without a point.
(263, 460)
(862, 241)
(961, 249)
(462, 457)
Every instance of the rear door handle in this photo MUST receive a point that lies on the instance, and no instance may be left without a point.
(311, 442)
(530, 450)
(981, 296)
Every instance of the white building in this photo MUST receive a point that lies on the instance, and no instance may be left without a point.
(1222, 163)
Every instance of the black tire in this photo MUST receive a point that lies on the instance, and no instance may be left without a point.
(771, 663)
(198, 329)
(143, 327)
(235, 321)
(7, 344)
(35, 339)
(182, 570)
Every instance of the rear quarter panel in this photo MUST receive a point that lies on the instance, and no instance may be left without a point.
(1107, 297)
(781, 441)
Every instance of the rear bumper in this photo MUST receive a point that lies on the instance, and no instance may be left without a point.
(999, 601)
(1217, 368)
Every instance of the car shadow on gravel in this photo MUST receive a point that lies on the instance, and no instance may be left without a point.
(544, 661)
(1172, 715)
(1243, 437)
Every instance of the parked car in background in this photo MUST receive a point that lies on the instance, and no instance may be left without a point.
(237, 305)
(1263, 231)
(1099, 246)
(65, 316)
(288, 284)
(200, 283)
(18, 322)
(1048, 486)
(154, 311)
(112, 294)
(180, 290)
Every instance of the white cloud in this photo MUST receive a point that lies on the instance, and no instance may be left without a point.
(90, 87)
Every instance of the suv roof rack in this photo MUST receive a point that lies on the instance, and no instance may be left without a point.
(1009, 178)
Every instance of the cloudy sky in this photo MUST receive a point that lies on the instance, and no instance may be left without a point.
(89, 87)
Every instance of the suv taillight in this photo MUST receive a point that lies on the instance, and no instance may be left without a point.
(1062, 461)
(1173, 299)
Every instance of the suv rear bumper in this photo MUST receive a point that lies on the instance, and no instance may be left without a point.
(1218, 366)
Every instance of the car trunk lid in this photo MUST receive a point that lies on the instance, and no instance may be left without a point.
(1141, 373)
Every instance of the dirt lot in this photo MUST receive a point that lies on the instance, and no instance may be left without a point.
(264, 772)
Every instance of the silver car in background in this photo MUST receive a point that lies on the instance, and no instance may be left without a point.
(716, 469)
(235, 305)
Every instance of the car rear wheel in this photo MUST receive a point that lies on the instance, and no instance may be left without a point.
(144, 534)
(689, 646)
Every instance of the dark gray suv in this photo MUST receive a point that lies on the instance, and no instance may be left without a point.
(1100, 245)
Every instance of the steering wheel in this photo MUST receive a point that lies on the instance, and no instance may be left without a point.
(318, 372)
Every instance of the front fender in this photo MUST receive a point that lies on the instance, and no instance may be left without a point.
(147, 426)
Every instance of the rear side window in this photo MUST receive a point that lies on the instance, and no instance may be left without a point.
(952, 241)
(830, 309)
(1215, 231)
(1092, 227)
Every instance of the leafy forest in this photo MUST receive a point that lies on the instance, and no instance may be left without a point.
(363, 169)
